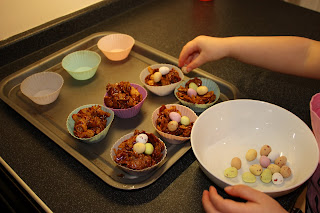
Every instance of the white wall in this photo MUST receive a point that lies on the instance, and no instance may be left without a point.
(17, 16)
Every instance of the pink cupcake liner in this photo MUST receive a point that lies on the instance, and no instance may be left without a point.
(315, 117)
(173, 139)
(133, 111)
(132, 171)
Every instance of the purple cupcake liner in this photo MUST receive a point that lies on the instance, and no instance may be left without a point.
(133, 111)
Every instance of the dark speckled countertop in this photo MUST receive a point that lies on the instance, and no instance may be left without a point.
(63, 183)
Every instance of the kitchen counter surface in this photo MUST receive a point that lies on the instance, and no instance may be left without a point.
(63, 183)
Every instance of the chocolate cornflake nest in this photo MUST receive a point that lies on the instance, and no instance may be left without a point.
(170, 78)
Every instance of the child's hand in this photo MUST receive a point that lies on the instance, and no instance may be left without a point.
(256, 201)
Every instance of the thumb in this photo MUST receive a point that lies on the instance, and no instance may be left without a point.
(196, 61)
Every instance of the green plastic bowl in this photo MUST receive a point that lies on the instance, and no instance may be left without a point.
(82, 64)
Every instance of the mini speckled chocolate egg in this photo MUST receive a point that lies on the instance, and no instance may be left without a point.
(193, 86)
(274, 168)
(281, 161)
(185, 120)
(231, 172)
(256, 169)
(202, 90)
(248, 177)
(251, 154)
(157, 77)
(266, 176)
(265, 150)
(285, 171)
(174, 116)
(236, 162)
(277, 178)
(273, 155)
(191, 92)
(264, 161)
(149, 149)
(173, 126)
(164, 70)
(142, 138)
(139, 148)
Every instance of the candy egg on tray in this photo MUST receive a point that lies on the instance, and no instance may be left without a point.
(90, 123)
(138, 152)
(161, 79)
(125, 99)
(197, 93)
(174, 122)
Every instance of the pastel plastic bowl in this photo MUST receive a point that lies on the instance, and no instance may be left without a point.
(82, 64)
(212, 86)
(116, 47)
(42, 88)
(132, 171)
(97, 138)
(230, 128)
(173, 139)
(132, 111)
(160, 90)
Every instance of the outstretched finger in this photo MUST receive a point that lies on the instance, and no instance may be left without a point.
(206, 203)
(186, 51)
(246, 192)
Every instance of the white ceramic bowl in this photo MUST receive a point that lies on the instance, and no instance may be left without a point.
(160, 90)
(229, 129)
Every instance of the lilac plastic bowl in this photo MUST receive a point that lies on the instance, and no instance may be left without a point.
(133, 111)
(315, 117)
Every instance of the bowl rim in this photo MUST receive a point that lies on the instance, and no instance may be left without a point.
(22, 86)
(135, 106)
(93, 53)
(203, 106)
(127, 136)
(76, 110)
(288, 189)
(132, 40)
(166, 135)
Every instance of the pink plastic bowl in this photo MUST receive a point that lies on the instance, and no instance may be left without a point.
(133, 111)
(315, 117)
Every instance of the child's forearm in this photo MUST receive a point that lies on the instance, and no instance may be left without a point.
(286, 54)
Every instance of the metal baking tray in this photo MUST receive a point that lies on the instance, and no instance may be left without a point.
(51, 119)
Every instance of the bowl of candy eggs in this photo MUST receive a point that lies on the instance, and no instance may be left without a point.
(197, 93)
(174, 122)
(254, 143)
(161, 79)
(138, 152)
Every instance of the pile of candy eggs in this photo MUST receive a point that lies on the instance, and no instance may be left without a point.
(158, 75)
(176, 118)
(142, 145)
(194, 90)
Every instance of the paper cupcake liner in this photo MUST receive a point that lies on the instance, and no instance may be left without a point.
(82, 64)
(116, 47)
(212, 86)
(133, 111)
(160, 90)
(42, 88)
(173, 139)
(315, 117)
(97, 138)
(132, 171)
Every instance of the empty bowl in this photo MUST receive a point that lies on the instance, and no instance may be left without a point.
(170, 138)
(159, 158)
(229, 129)
(132, 111)
(42, 88)
(116, 47)
(210, 84)
(160, 90)
(82, 64)
(96, 138)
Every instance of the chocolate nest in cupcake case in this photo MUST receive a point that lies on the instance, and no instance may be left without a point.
(164, 119)
(90, 121)
(122, 96)
(126, 156)
(182, 93)
(169, 78)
